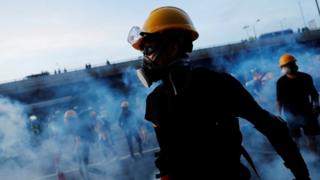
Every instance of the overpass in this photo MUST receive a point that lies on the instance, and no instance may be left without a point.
(41, 90)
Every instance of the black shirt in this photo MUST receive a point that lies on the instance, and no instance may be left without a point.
(127, 120)
(195, 112)
(294, 94)
(85, 128)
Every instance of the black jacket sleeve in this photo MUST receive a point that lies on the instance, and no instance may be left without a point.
(279, 91)
(271, 126)
(312, 90)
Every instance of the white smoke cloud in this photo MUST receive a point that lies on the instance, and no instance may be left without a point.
(24, 155)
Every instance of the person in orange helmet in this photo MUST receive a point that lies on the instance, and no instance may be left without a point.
(197, 140)
(298, 99)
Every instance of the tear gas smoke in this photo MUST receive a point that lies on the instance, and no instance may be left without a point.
(37, 146)
(262, 67)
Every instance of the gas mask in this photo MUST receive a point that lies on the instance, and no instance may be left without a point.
(285, 70)
(157, 54)
(292, 68)
(151, 71)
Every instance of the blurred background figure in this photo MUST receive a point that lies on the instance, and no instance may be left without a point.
(86, 136)
(255, 84)
(130, 126)
(35, 129)
(298, 98)
(259, 86)
(105, 137)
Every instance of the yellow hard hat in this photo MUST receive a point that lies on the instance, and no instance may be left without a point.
(286, 59)
(161, 19)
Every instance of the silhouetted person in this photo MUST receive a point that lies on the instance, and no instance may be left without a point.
(129, 125)
(82, 126)
(255, 84)
(195, 110)
(105, 136)
(299, 100)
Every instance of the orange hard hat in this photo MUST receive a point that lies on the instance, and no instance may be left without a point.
(286, 59)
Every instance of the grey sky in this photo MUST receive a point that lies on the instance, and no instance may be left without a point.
(44, 35)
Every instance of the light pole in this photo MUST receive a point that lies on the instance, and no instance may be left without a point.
(255, 38)
(254, 28)
(282, 24)
(246, 29)
(318, 6)
(302, 15)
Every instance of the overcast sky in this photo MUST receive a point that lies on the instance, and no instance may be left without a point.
(44, 35)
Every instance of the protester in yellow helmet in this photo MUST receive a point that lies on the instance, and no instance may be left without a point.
(298, 98)
(198, 141)
(163, 25)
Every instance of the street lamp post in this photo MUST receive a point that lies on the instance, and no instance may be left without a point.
(318, 6)
(255, 38)
(282, 24)
(246, 29)
(254, 28)
(302, 15)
